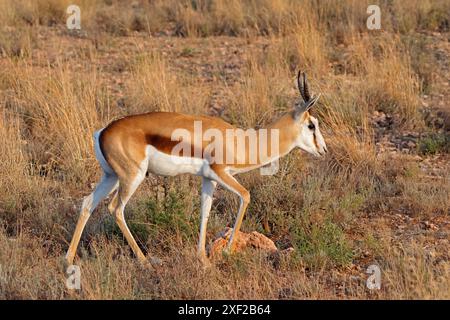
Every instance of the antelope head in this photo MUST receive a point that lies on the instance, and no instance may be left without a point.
(309, 137)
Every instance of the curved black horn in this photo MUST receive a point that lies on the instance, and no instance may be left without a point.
(303, 86)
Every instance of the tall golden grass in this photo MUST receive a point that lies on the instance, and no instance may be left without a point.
(237, 17)
(153, 86)
(61, 110)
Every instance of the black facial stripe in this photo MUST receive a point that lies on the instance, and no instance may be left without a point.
(315, 141)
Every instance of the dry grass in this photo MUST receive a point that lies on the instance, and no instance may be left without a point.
(61, 112)
(339, 213)
(154, 87)
(14, 160)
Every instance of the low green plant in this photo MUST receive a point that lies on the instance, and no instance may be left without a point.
(434, 143)
(322, 244)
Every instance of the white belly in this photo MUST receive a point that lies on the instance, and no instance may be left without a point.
(163, 164)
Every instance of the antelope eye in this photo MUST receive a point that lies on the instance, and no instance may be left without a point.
(311, 126)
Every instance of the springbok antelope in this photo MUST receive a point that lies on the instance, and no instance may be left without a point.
(130, 147)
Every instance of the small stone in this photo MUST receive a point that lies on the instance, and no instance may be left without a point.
(355, 278)
(428, 225)
(411, 144)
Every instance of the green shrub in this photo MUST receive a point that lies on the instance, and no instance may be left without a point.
(151, 219)
(321, 244)
(171, 216)
(435, 143)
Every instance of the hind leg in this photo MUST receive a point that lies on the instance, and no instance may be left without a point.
(126, 189)
(105, 187)
(112, 209)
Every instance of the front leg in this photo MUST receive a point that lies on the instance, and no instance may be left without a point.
(230, 183)
(208, 187)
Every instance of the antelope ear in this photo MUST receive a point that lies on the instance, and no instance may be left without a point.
(305, 106)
